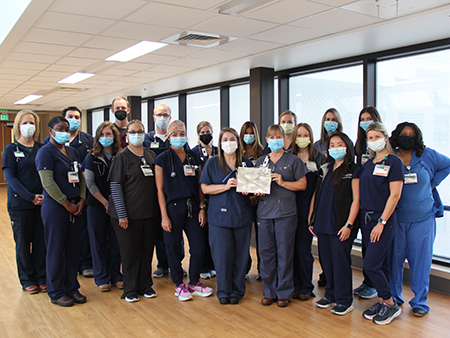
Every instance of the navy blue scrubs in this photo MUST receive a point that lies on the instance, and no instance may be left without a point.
(62, 229)
(277, 224)
(183, 206)
(230, 225)
(23, 185)
(374, 192)
(104, 246)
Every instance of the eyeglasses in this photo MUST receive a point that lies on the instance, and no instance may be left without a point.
(140, 132)
(163, 115)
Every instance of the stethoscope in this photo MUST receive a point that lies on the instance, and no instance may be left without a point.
(204, 154)
(188, 157)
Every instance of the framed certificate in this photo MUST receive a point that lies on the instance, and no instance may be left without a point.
(253, 180)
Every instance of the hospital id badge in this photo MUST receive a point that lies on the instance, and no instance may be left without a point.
(19, 154)
(311, 165)
(381, 170)
(410, 178)
(73, 177)
(147, 170)
(188, 170)
(154, 145)
(365, 158)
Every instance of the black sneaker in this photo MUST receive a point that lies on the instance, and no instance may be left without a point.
(325, 303)
(418, 312)
(387, 314)
(372, 311)
(150, 293)
(342, 310)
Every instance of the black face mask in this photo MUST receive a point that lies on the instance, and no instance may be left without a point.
(406, 142)
(120, 115)
(206, 138)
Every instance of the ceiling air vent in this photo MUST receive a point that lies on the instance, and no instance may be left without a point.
(196, 39)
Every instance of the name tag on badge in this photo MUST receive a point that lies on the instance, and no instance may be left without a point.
(19, 154)
(311, 165)
(154, 145)
(188, 170)
(73, 177)
(365, 158)
(410, 178)
(147, 170)
(381, 170)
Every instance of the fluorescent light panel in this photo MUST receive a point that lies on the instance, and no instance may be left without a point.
(76, 77)
(28, 99)
(12, 11)
(242, 6)
(139, 49)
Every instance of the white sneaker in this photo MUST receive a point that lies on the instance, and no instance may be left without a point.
(205, 275)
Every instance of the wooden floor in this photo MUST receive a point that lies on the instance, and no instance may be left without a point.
(106, 315)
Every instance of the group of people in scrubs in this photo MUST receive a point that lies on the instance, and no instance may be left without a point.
(155, 189)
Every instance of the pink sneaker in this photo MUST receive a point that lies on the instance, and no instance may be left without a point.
(200, 290)
(182, 293)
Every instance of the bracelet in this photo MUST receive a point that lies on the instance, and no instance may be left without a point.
(348, 225)
(203, 207)
(382, 221)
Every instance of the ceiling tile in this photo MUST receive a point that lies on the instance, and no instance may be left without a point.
(170, 69)
(113, 44)
(119, 72)
(233, 26)
(64, 68)
(218, 55)
(47, 59)
(23, 65)
(287, 35)
(334, 3)
(335, 21)
(286, 11)
(16, 71)
(42, 48)
(140, 31)
(114, 9)
(80, 62)
(249, 46)
(56, 37)
(200, 4)
(176, 50)
(169, 16)
(91, 53)
(194, 63)
(133, 66)
(73, 23)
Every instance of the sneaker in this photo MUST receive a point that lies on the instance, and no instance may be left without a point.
(359, 289)
(183, 293)
(372, 311)
(418, 312)
(368, 293)
(150, 294)
(387, 314)
(88, 273)
(325, 303)
(205, 275)
(213, 273)
(132, 299)
(160, 272)
(342, 310)
(200, 290)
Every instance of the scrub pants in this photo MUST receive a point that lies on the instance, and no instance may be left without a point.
(136, 244)
(208, 263)
(255, 223)
(104, 247)
(414, 242)
(85, 252)
(161, 255)
(303, 260)
(179, 217)
(376, 262)
(276, 250)
(30, 245)
(229, 248)
(62, 239)
(337, 265)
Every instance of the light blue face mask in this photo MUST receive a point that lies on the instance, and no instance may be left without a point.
(330, 126)
(178, 142)
(106, 141)
(249, 138)
(61, 137)
(338, 153)
(365, 124)
(74, 124)
(276, 144)
(162, 122)
(136, 139)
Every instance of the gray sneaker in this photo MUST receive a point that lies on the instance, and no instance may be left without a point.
(368, 293)
(158, 273)
(387, 314)
(372, 311)
(359, 289)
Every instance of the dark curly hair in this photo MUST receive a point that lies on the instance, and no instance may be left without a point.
(419, 147)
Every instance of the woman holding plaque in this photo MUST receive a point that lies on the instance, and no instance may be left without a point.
(277, 219)
(230, 217)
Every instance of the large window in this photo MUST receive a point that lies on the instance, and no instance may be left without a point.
(144, 114)
(204, 106)
(239, 106)
(312, 94)
(97, 118)
(417, 89)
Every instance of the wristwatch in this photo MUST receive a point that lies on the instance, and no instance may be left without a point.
(348, 225)
(382, 221)
(203, 207)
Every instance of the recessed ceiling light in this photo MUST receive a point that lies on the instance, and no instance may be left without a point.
(28, 99)
(12, 10)
(139, 49)
(76, 77)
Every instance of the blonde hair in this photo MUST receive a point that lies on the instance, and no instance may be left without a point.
(274, 129)
(378, 126)
(16, 127)
(288, 112)
(201, 125)
(120, 98)
(165, 106)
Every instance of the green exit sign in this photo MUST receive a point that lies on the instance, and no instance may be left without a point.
(3, 117)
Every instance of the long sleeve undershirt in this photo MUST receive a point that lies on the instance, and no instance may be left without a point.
(53, 189)
(117, 196)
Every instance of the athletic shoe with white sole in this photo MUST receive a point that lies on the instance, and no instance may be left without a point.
(200, 290)
(387, 314)
(325, 303)
(372, 311)
(132, 299)
(150, 294)
(368, 293)
(182, 293)
(342, 310)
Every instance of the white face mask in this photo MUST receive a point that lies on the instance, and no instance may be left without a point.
(377, 145)
(27, 130)
(229, 147)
